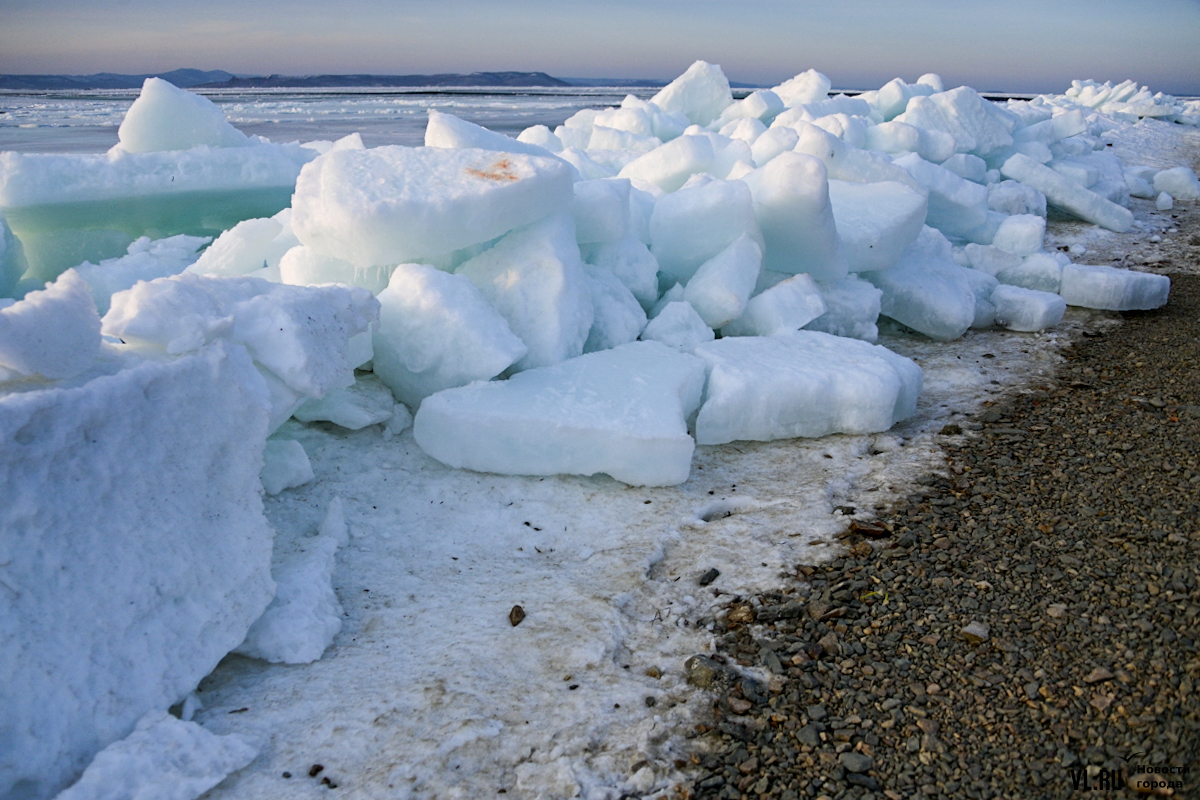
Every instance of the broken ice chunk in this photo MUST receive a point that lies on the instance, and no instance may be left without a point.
(367, 402)
(678, 325)
(437, 331)
(164, 758)
(1019, 309)
(1068, 195)
(285, 466)
(876, 221)
(54, 332)
(305, 616)
(620, 411)
(788, 305)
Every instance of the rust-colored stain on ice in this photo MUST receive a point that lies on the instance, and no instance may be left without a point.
(502, 170)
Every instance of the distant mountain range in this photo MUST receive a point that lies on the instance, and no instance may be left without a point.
(219, 79)
(184, 78)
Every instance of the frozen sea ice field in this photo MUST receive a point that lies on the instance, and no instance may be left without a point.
(345, 427)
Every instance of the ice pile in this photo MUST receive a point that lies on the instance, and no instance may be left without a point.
(593, 299)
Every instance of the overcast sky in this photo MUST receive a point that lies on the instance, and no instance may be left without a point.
(1018, 45)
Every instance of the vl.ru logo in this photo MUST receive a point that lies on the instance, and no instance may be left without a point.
(1143, 778)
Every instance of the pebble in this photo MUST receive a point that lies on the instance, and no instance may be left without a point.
(966, 673)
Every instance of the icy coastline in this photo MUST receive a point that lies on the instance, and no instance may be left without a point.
(543, 259)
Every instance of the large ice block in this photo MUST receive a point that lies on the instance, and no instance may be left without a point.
(135, 552)
(802, 383)
(956, 206)
(447, 130)
(852, 309)
(621, 412)
(700, 94)
(437, 331)
(54, 332)
(391, 205)
(876, 221)
(617, 317)
(165, 117)
(722, 285)
(632, 263)
(670, 165)
(1113, 289)
(791, 202)
(1020, 309)
(928, 293)
(690, 226)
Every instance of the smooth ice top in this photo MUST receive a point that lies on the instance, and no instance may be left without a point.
(391, 205)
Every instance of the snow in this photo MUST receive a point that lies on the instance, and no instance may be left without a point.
(512, 340)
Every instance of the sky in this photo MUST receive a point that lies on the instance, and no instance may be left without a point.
(1018, 45)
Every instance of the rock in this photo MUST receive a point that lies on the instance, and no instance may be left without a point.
(702, 672)
(709, 576)
(516, 615)
(810, 735)
(816, 713)
(856, 762)
(739, 706)
(1098, 675)
(742, 615)
(976, 632)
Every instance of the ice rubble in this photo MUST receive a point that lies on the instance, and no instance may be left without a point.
(512, 278)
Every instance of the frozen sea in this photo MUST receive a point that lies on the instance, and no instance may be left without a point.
(87, 122)
(429, 691)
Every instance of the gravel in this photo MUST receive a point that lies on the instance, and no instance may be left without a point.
(1032, 614)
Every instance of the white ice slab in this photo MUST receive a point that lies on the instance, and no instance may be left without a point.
(436, 330)
(928, 293)
(145, 260)
(390, 205)
(621, 412)
(155, 536)
(670, 165)
(700, 94)
(165, 117)
(164, 758)
(449, 131)
(876, 221)
(617, 317)
(632, 263)
(304, 266)
(1020, 309)
(1021, 234)
(802, 383)
(1113, 289)
(534, 277)
(956, 206)
(247, 246)
(1179, 182)
(1041, 271)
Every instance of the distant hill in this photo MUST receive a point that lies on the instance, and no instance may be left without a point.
(185, 78)
(334, 81)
